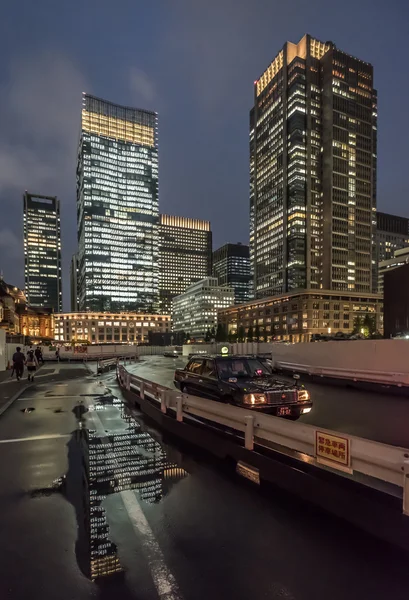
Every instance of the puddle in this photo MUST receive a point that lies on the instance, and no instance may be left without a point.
(113, 454)
(27, 410)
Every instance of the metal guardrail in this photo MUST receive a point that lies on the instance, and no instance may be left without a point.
(386, 463)
(381, 377)
(108, 363)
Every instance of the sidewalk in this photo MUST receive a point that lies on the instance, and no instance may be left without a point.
(9, 386)
(38, 447)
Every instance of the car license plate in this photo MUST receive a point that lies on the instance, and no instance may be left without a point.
(284, 410)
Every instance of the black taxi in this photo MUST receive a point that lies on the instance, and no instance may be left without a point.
(243, 381)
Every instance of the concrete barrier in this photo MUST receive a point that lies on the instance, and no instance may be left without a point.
(374, 361)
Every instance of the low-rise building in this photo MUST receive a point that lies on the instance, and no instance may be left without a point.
(37, 323)
(195, 311)
(297, 316)
(401, 257)
(11, 299)
(108, 328)
(20, 320)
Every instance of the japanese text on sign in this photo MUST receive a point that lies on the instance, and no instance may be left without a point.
(332, 448)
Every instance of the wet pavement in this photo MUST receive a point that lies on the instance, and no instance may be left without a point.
(380, 417)
(97, 504)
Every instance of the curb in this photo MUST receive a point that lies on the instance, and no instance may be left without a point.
(13, 399)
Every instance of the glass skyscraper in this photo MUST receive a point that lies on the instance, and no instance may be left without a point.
(42, 251)
(117, 208)
(313, 137)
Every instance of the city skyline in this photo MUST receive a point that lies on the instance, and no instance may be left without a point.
(42, 91)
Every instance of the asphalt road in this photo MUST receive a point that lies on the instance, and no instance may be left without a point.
(172, 525)
(380, 417)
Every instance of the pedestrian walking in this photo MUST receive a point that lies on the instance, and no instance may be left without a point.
(18, 363)
(32, 364)
(39, 355)
(57, 354)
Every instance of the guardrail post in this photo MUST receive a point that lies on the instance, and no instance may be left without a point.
(179, 409)
(141, 391)
(406, 487)
(162, 396)
(249, 433)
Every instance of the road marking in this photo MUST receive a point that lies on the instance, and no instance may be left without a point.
(36, 437)
(163, 579)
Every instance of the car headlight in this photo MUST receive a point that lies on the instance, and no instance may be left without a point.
(254, 399)
(303, 395)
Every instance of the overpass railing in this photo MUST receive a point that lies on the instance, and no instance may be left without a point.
(347, 453)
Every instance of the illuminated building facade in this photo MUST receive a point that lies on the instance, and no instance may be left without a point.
(195, 311)
(37, 323)
(296, 316)
(117, 208)
(109, 328)
(313, 136)
(231, 266)
(42, 251)
(185, 256)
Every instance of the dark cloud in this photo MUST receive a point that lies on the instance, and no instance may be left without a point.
(40, 104)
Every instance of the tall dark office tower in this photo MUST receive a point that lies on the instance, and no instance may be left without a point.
(117, 208)
(231, 266)
(185, 256)
(313, 172)
(42, 251)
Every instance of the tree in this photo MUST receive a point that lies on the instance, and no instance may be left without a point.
(188, 337)
(369, 325)
(250, 334)
(366, 325)
(180, 338)
(208, 336)
(213, 333)
(241, 334)
(357, 325)
(221, 334)
(257, 333)
(232, 337)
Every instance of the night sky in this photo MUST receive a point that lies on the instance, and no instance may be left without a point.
(192, 61)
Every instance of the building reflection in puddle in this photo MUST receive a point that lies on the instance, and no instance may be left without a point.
(117, 456)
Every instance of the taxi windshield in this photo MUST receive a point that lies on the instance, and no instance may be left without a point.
(241, 367)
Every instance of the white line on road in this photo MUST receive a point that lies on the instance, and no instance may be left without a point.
(36, 437)
(163, 579)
